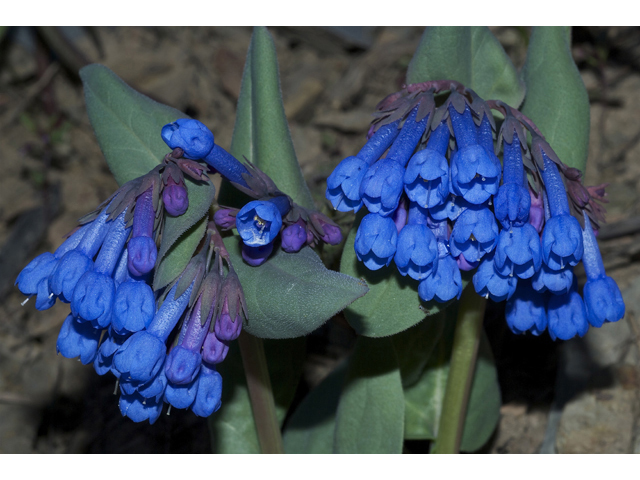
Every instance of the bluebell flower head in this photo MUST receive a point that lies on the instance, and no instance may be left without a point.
(181, 396)
(191, 136)
(214, 350)
(444, 284)
(104, 360)
(209, 396)
(140, 357)
(562, 242)
(567, 314)
(133, 307)
(34, 280)
(556, 281)
(182, 365)
(258, 223)
(518, 251)
(427, 178)
(512, 205)
(142, 255)
(343, 185)
(526, 310)
(78, 340)
(490, 284)
(603, 301)
(67, 272)
(376, 241)
(139, 409)
(416, 252)
(382, 186)
(475, 175)
(293, 238)
(93, 298)
(474, 234)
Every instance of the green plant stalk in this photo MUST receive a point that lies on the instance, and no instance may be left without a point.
(260, 393)
(461, 372)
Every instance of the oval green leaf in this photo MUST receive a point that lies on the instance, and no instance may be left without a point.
(127, 124)
(471, 55)
(370, 416)
(291, 294)
(557, 100)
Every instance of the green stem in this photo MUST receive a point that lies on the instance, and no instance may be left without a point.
(260, 393)
(461, 372)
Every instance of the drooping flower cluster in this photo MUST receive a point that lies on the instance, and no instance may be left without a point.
(163, 346)
(440, 202)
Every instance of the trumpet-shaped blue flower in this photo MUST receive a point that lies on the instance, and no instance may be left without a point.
(427, 176)
(526, 310)
(343, 185)
(602, 296)
(182, 396)
(518, 251)
(444, 284)
(259, 221)
(417, 251)
(209, 395)
(376, 241)
(139, 409)
(134, 306)
(562, 235)
(383, 182)
(192, 136)
(475, 171)
(567, 314)
(474, 234)
(556, 281)
(142, 250)
(490, 284)
(513, 202)
(78, 339)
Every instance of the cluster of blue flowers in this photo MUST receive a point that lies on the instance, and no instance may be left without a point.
(441, 201)
(163, 346)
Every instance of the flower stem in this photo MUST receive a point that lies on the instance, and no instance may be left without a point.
(461, 372)
(260, 393)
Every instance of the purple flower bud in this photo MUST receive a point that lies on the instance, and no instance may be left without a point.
(226, 218)
(214, 350)
(175, 198)
(142, 249)
(228, 328)
(464, 265)
(536, 211)
(256, 256)
(293, 238)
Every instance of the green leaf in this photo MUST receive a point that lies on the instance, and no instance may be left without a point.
(370, 416)
(291, 294)
(232, 427)
(471, 55)
(312, 425)
(127, 124)
(177, 257)
(557, 99)
(424, 399)
(261, 132)
(415, 346)
(392, 304)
